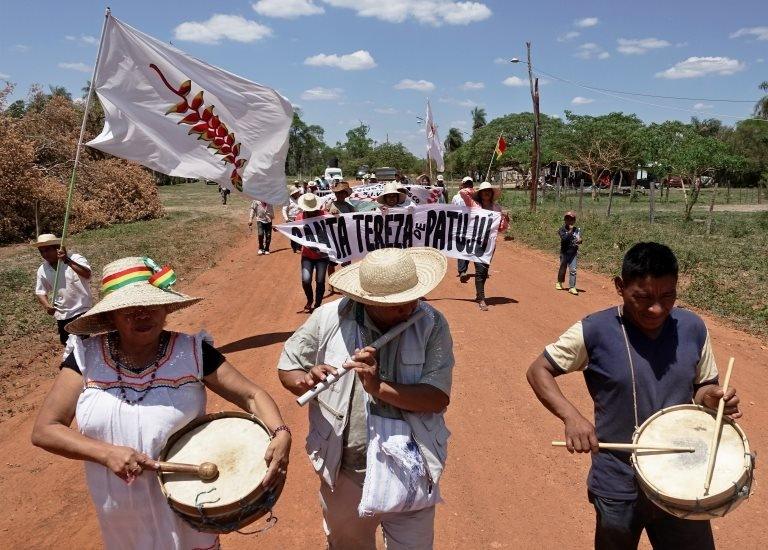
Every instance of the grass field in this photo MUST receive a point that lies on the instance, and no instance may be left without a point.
(723, 273)
(195, 229)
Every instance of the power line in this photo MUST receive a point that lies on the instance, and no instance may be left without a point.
(595, 88)
(614, 95)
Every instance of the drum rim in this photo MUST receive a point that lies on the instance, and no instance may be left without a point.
(711, 502)
(211, 511)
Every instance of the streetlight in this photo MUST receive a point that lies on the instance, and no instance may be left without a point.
(535, 100)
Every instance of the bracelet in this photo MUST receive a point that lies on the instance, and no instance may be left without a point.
(282, 428)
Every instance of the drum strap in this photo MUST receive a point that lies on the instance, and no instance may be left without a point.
(631, 364)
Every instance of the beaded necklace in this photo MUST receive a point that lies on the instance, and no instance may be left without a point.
(113, 345)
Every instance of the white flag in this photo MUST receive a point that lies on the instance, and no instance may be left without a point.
(435, 149)
(182, 117)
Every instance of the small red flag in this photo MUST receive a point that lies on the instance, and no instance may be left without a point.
(501, 146)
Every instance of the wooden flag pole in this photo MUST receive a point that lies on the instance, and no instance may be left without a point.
(488, 173)
(70, 191)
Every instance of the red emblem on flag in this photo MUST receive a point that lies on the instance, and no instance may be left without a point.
(207, 126)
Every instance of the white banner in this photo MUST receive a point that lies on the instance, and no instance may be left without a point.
(182, 117)
(456, 231)
(419, 194)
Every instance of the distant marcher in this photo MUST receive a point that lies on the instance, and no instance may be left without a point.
(424, 180)
(440, 182)
(224, 192)
(304, 187)
(264, 214)
(290, 211)
(458, 200)
(73, 289)
(484, 197)
(341, 205)
(313, 262)
(570, 239)
(466, 183)
(392, 196)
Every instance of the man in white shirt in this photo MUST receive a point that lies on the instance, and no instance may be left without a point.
(264, 214)
(466, 183)
(290, 211)
(73, 291)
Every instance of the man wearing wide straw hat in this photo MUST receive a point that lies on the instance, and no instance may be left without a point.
(73, 293)
(377, 438)
(130, 387)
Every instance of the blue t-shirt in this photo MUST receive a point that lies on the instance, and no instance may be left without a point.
(667, 369)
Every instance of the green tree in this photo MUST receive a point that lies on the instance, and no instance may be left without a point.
(761, 107)
(16, 109)
(602, 144)
(397, 156)
(359, 144)
(454, 140)
(306, 148)
(478, 118)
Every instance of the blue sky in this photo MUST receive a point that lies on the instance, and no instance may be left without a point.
(342, 61)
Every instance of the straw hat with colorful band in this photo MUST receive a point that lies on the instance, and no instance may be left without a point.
(131, 282)
(391, 276)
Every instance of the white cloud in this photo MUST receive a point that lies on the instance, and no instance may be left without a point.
(694, 67)
(459, 102)
(759, 60)
(638, 46)
(322, 94)
(222, 27)
(459, 124)
(578, 100)
(703, 106)
(759, 33)
(514, 82)
(586, 22)
(355, 61)
(418, 85)
(286, 9)
(4, 76)
(79, 101)
(429, 12)
(386, 110)
(83, 39)
(20, 48)
(590, 50)
(79, 66)
(570, 35)
(468, 85)
(501, 61)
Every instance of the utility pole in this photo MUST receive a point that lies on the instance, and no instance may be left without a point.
(534, 83)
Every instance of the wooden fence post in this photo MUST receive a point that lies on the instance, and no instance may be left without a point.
(581, 194)
(711, 207)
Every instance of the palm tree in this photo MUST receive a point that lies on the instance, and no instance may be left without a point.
(454, 140)
(761, 107)
(478, 118)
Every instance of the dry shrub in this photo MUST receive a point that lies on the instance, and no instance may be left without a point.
(36, 158)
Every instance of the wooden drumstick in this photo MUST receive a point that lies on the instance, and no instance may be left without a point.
(634, 447)
(718, 426)
(205, 471)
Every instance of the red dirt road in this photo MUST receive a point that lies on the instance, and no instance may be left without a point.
(504, 487)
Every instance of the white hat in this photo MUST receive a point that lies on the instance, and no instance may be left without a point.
(309, 202)
(391, 188)
(46, 239)
(131, 282)
(485, 185)
(440, 177)
(465, 179)
(391, 276)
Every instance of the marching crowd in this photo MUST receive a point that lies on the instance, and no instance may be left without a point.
(378, 441)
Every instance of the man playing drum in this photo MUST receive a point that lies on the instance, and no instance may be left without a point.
(377, 438)
(637, 359)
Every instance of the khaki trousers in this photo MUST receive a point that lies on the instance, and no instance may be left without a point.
(345, 530)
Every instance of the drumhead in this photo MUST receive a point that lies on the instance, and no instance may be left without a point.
(236, 444)
(679, 477)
